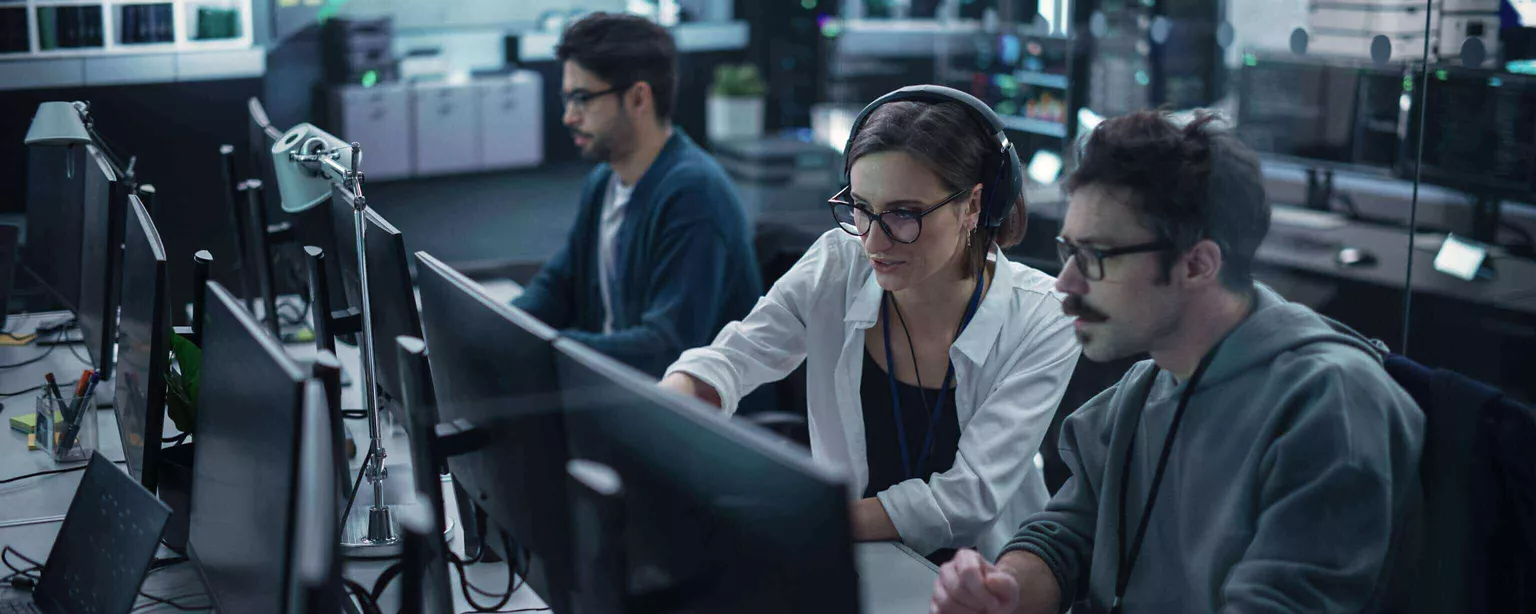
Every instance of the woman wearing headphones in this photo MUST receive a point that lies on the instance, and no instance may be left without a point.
(935, 364)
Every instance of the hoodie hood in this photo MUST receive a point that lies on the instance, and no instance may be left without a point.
(1275, 327)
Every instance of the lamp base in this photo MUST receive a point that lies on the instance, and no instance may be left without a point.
(371, 534)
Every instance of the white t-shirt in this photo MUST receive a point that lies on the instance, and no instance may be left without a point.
(614, 201)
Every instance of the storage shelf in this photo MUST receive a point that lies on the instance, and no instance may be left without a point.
(58, 28)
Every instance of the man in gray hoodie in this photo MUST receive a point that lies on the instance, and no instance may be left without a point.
(1262, 461)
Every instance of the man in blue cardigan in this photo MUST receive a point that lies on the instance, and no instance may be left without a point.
(660, 258)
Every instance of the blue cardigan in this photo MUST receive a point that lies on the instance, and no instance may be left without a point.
(685, 260)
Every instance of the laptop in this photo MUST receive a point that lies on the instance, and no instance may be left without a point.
(104, 548)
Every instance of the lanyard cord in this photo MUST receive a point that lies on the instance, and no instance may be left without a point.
(1128, 558)
(908, 469)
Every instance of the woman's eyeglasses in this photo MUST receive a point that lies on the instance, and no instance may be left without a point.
(901, 225)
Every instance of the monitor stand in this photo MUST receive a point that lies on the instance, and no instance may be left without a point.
(1320, 189)
(1485, 219)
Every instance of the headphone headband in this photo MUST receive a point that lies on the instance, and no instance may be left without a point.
(1006, 182)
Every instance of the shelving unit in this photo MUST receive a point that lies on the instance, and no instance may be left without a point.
(56, 28)
(49, 43)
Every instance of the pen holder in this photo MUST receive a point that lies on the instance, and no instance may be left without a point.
(67, 430)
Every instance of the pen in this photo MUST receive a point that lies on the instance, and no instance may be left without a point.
(74, 424)
(53, 386)
(73, 406)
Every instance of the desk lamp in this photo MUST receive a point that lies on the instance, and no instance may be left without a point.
(307, 161)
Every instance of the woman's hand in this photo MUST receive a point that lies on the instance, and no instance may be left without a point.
(689, 385)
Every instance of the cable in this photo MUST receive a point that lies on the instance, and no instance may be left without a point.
(82, 359)
(159, 564)
(179, 606)
(382, 582)
(352, 496)
(153, 604)
(6, 395)
(363, 599)
(514, 580)
(32, 360)
(18, 571)
(40, 473)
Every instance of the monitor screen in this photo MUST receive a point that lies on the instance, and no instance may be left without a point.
(248, 412)
(732, 518)
(1297, 109)
(55, 186)
(101, 236)
(143, 342)
(494, 367)
(1479, 132)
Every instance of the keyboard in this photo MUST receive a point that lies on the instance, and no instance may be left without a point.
(24, 606)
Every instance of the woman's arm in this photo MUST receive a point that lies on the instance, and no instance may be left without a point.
(766, 345)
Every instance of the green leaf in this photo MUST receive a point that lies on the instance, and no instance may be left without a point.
(183, 378)
(738, 81)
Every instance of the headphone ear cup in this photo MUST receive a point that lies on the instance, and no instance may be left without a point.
(1005, 189)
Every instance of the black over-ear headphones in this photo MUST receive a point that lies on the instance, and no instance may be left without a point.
(1006, 180)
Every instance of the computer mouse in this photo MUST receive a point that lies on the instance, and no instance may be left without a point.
(1355, 256)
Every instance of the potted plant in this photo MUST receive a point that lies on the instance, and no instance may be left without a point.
(735, 106)
(182, 378)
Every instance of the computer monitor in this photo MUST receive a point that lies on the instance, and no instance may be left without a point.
(248, 410)
(1479, 131)
(101, 239)
(391, 297)
(493, 366)
(143, 342)
(720, 516)
(105, 546)
(314, 584)
(1320, 112)
(425, 562)
(55, 187)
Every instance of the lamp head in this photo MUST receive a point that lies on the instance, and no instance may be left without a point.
(58, 124)
(297, 162)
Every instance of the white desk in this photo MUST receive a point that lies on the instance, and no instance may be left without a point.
(892, 579)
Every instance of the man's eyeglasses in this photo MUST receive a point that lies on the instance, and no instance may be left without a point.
(1090, 261)
(580, 98)
(901, 225)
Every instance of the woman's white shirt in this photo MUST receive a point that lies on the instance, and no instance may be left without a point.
(1012, 364)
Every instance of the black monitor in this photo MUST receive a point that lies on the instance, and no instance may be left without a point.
(101, 239)
(1320, 112)
(719, 516)
(390, 295)
(248, 415)
(425, 562)
(314, 584)
(143, 342)
(493, 367)
(55, 186)
(105, 546)
(1479, 131)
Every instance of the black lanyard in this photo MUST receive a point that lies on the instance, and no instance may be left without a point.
(907, 467)
(1128, 558)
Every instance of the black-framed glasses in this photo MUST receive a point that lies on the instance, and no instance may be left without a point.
(1090, 260)
(901, 225)
(580, 98)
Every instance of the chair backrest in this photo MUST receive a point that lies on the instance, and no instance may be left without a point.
(1479, 487)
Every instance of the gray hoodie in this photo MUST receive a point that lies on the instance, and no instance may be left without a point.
(1288, 489)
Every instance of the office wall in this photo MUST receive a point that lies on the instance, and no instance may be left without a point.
(434, 14)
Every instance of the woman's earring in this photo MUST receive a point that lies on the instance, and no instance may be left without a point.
(968, 236)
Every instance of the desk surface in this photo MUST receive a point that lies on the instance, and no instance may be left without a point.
(891, 577)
